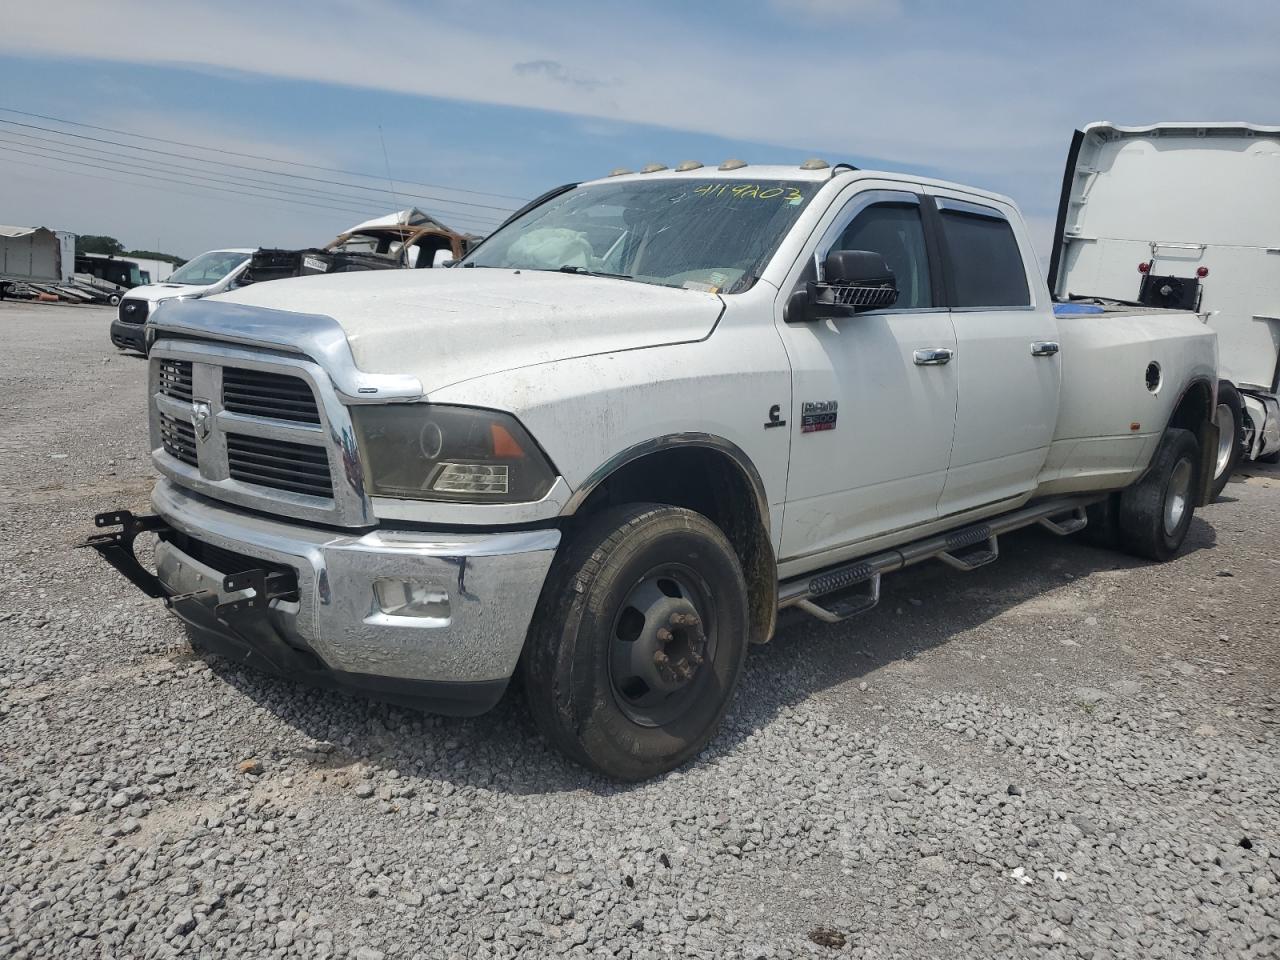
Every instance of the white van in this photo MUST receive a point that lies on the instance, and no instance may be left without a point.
(207, 274)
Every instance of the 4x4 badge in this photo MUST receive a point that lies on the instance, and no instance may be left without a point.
(201, 418)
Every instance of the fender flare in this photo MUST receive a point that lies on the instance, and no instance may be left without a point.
(707, 441)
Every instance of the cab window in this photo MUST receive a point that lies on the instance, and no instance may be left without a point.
(986, 264)
(896, 232)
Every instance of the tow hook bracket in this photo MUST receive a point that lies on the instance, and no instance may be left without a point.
(116, 547)
(265, 586)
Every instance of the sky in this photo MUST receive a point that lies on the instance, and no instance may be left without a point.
(508, 99)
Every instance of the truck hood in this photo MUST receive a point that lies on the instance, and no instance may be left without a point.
(446, 326)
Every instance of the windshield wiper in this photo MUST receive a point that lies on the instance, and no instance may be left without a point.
(571, 268)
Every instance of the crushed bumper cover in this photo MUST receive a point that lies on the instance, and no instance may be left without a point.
(301, 602)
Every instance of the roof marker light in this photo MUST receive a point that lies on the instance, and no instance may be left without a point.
(733, 165)
(684, 165)
(1144, 266)
(653, 167)
(1202, 272)
(814, 163)
(620, 172)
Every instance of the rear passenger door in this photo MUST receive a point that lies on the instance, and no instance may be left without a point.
(1007, 365)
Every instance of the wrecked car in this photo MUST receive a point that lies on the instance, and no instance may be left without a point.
(408, 239)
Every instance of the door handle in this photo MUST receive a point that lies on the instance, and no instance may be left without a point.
(933, 357)
(1044, 348)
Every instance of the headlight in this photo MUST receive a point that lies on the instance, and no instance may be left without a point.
(427, 452)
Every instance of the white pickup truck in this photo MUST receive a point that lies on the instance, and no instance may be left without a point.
(640, 418)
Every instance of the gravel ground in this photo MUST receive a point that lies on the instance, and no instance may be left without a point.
(1067, 754)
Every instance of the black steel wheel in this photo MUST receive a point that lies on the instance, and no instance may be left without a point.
(638, 641)
(662, 637)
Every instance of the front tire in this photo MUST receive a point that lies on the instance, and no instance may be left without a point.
(1155, 513)
(1229, 417)
(638, 642)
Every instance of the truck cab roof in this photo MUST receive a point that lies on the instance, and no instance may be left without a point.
(839, 172)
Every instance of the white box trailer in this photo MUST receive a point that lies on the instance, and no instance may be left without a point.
(37, 253)
(1186, 215)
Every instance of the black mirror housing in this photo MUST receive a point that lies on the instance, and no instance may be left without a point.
(857, 268)
(855, 280)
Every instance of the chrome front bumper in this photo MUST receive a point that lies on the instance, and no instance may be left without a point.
(491, 580)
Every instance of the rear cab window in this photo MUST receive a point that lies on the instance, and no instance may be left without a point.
(986, 263)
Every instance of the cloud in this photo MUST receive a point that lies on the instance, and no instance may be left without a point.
(827, 10)
(555, 70)
(987, 95)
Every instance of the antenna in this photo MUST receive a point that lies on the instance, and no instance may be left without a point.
(387, 162)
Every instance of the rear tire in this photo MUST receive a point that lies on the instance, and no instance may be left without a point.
(638, 641)
(1230, 419)
(1155, 513)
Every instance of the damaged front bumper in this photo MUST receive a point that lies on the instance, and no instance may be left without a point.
(431, 619)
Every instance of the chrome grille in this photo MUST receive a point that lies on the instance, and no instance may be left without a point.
(296, 467)
(257, 429)
(178, 439)
(260, 393)
(175, 379)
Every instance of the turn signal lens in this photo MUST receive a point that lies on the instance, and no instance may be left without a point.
(504, 444)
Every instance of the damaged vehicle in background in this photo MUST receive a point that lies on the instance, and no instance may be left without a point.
(210, 273)
(410, 239)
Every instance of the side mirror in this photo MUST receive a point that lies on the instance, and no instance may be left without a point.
(854, 280)
(442, 258)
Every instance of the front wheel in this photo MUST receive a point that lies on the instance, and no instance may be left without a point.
(639, 640)
(1155, 513)
(1229, 417)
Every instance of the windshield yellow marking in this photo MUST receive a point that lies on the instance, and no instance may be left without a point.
(752, 190)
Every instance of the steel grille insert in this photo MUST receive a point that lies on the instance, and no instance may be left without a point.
(296, 467)
(178, 439)
(175, 379)
(276, 396)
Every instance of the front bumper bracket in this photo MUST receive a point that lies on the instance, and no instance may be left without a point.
(116, 547)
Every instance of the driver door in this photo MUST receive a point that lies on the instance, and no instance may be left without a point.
(874, 394)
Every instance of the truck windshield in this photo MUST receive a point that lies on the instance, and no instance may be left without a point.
(208, 268)
(711, 235)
